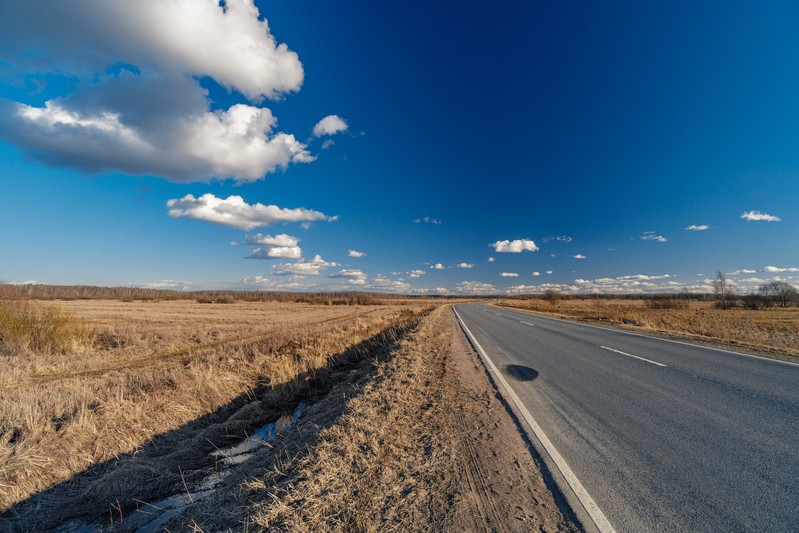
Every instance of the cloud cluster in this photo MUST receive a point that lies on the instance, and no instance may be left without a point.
(437, 266)
(652, 236)
(475, 287)
(750, 216)
(557, 238)
(508, 275)
(235, 212)
(427, 220)
(698, 227)
(304, 267)
(416, 273)
(515, 246)
(137, 106)
(353, 276)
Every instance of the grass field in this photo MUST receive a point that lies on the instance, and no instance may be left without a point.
(774, 330)
(123, 372)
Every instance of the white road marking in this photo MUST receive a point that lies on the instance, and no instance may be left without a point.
(523, 322)
(593, 510)
(633, 356)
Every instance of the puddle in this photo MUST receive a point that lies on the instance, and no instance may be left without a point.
(522, 373)
(152, 517)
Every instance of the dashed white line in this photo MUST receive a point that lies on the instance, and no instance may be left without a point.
(633, 356)
(523, 322)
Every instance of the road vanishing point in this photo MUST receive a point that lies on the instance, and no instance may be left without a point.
(657, 434)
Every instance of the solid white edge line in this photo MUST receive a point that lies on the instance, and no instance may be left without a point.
(633, 356)
(691, 344)
(593, 510)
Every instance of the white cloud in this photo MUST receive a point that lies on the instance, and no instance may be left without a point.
(652, 236)
(699, 227)
(757, 215)
(167, 284)
(535, 274)
(355, 253)
(550, 271)
(774, 269)
(260, 239)
(441, 290)
(437, 266)
(558, 238)
(353, 276)
(643, 277)
(276, 252)
(508, 275)
(514, 247)
(417, 273)
(384, 284)
(475, 287)
(427, 220)
(742, 271)
(491, 259)
(137, 106)
(303, 267)
(330, 125)
(464, 265)
(579, 256)
(234, 211)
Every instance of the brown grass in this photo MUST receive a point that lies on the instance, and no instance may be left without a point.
(152, 367)
(768, 330)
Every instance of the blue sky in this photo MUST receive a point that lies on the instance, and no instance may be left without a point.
(611, 127)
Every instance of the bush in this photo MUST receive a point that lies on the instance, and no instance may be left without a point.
(27, 326)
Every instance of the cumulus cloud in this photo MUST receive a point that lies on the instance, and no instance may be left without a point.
(166, 284)
(697, 227)
(417, 273)
(464, 265)
(304, 267)
(742, 271)
(550, 271)
(508, 275)
(475, 287)
(355, 253)
(491, 259)
(384, 284)
(437, 266)
(427, 220)
(234, 211)
(260, 239)
(535, 274)
(137, 106)
(353, 276)
(773, 269)
(579, 256)
(330, 125)
(276, 252)
(758, 216)
(652, 236)
(514, 247)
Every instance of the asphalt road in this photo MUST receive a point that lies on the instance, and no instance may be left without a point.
(664, 436)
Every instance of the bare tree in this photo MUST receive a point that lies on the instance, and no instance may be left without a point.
(780, 293)
(723, 291)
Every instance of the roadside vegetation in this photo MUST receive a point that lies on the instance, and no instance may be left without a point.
(728, 318)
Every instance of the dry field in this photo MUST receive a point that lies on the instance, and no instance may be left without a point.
(126, 372)
(773, 330)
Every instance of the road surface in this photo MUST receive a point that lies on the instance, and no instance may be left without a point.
(663, 436)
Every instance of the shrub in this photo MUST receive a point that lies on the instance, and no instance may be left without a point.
(27, 326)
(667, 303)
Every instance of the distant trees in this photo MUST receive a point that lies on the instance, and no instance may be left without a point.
(552, 296)
(779, 293)
(723, 291)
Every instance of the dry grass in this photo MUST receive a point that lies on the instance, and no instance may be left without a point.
(771, 330)
(378, 453)
(29, 328)
(153, 367)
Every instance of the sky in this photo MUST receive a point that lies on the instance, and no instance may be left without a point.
(427, 148)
